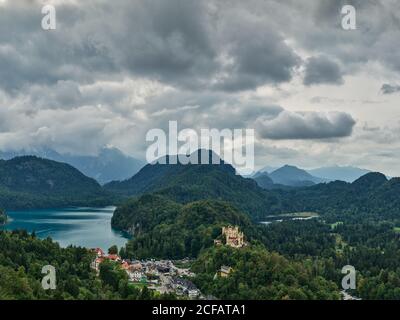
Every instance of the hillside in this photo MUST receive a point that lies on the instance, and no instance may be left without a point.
(264, 180)
(22, 257)
(187, 183)
(27, 182)
(258, 274)
(358, 222)
(293, 176)
(372, 193)
(165, 229)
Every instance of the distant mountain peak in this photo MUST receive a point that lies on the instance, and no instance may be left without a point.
(291, 172)
(290, 175)
(200, 156)
(372, 179)
(191, 182)
(290, 167)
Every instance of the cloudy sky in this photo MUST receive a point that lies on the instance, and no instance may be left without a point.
(316, 94)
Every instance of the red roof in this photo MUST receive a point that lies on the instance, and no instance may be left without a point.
(125, 265)
(99, 251)
(100, 260)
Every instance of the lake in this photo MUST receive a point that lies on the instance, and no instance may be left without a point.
(290, 217)
(87, 227)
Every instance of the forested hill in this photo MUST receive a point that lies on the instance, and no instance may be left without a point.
(22, 257)
(165, 229)
(29, 181)
(192, 182)
(163, 173)
(372, 193)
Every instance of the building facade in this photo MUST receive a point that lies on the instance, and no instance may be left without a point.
(234, 238)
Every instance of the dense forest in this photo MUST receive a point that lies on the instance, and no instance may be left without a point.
(260, 275)
(162, 228)
(373, 193)
(165, 229)
(358, 225)
(177, 211)
(22, 257)
(192, 182)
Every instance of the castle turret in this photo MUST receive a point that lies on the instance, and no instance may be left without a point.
(233, 236)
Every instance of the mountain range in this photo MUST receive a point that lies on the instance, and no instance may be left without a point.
(185, 183)
(188, 183)
(32, 182)
(177, 210)
(108, 165)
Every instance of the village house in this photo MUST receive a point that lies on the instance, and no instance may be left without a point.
(158, 275)
(183, 286)
(96, 263)
(135, 267)
(113, 257)
(138, 276)
(101, 256)
(223, 272)
(99, 252)
(217, 242)
(125, 265)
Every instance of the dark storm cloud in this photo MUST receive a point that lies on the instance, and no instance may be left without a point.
(197, 45)
(114, 69)
(30, 55)
(167, 40)
(376, 38)
(390, 88)
(308, 125)
(258, 53)
(322, 70)
(186, 44)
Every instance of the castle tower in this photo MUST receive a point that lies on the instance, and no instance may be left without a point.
(234, 238)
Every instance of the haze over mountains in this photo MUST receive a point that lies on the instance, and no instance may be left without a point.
(292, 176)
(347, 173)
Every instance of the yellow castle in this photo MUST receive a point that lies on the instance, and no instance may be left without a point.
(234, 237)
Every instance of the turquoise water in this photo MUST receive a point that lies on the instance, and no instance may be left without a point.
(87, 227)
